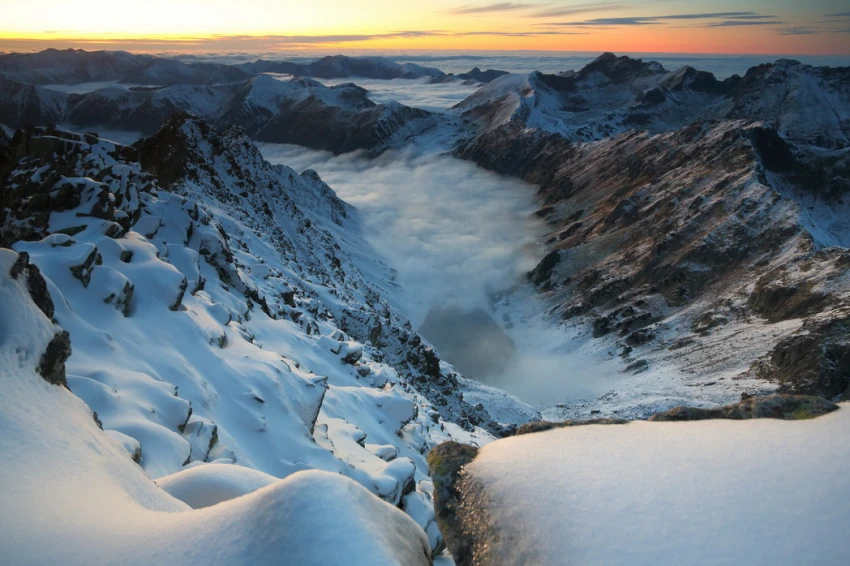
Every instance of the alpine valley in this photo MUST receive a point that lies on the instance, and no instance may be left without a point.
(208, 355)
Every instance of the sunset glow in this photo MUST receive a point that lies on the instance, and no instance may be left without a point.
(725, 26)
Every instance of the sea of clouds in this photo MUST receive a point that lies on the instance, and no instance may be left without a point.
(462, 240)
(417, 93)
(454, 232)
(722, 66)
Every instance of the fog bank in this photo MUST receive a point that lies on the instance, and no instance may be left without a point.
(454, 232)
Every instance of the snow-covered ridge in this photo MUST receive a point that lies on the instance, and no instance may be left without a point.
(342, 66)
(301, 111)
(227, 311)
(612, 95)
(72, 494)
(74, 66)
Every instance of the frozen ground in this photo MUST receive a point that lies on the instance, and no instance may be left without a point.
(710, 492)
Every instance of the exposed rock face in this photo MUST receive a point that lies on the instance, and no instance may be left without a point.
(541, 426)
(36, 285)
(28, 200)
(445, 464)
(52, 363)
(814, 361)
(786, 407)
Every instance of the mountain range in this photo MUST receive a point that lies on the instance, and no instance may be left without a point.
(205, 318)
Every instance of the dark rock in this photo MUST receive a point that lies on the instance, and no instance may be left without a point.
(542, 426)
(446, 463)
(815, 361)
(477, 74)
(83, 270)
(182, 291)
(36, 285)
(52, 364)
(638, 366)
(786, 407)
(543, 272)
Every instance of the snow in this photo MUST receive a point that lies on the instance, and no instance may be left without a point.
(182, 379)
(71, 494)
(712, 492)
(204, 485)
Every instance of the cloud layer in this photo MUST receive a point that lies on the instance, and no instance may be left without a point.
(454, 232)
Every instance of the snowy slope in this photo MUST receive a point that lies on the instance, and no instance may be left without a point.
(302, 111)
(72, 495)
(208, 333)
(711, 492)
(613, 94)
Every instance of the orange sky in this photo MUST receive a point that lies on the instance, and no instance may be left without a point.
(720, 26)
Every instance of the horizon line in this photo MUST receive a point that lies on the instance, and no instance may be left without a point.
(103, 46)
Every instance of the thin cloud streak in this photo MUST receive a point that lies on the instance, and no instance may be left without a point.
(737, 23)
(270, 42)
(796, 31)
(743, 17)
(491, 8)
(576, 10)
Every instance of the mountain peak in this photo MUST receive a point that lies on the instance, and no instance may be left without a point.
(620, 69)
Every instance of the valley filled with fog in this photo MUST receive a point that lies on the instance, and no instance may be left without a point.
(462, 241)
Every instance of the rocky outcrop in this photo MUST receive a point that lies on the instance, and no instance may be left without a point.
(30, 198)
(542, 426)
(51, 365)
(785, 407)
(814, 361)
(36, 285)
(460, 531)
